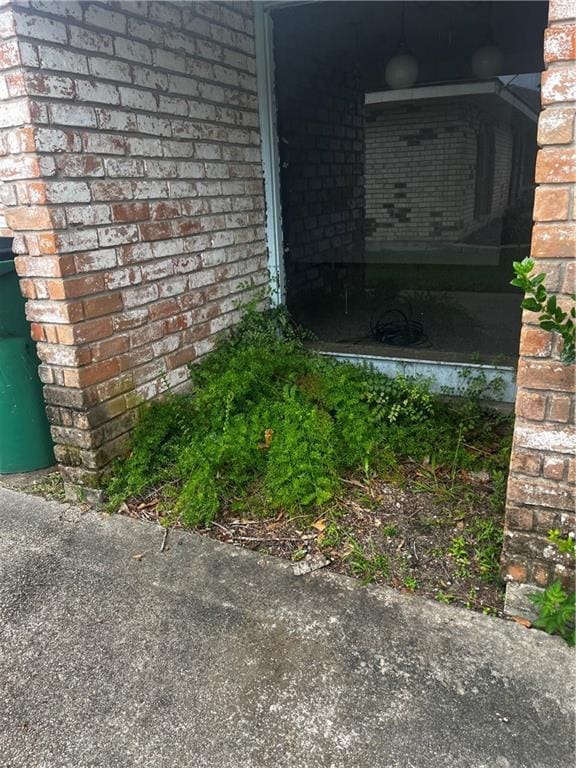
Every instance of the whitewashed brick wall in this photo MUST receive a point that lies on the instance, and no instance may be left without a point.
(130, 152)
(420, 170)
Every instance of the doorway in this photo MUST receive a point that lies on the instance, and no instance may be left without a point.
(399, 149)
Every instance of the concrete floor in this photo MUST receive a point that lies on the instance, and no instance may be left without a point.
(465, 323)
(114, 654)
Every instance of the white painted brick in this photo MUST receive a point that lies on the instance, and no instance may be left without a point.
(91, 90)
(114, 120)
(169, 60)
(88, 215)
(172, 105)
(146, 147)
(145, 31)
(84, 240)
(95, 260)
(72, 114)
(123, 233)
(110, 69)
(62, 60)
(28, 54)
(39, 27)
(130, 49)
(155, 125)
(67, 192)
(166, 13)
(102, 143)
(97, 16)
(69, 9)
(89, 40)
(147, 190)
(124, 167)
(138, 99)
(150, 78)
(120, 278)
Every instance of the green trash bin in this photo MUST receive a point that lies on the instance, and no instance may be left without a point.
(25, 442)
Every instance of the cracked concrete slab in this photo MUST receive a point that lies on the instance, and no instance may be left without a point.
(212, 657)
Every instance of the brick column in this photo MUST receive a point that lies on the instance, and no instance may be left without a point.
(542, 476)
(132, 182)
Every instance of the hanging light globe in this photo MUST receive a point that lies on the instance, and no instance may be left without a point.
(487, 61)
(401, 71)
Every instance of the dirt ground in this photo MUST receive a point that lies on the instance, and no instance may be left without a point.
(417, 532)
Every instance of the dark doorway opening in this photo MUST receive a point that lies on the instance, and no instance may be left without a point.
(407, 142)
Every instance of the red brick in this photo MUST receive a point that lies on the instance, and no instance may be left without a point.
(130, 212)
(160, 230)
(554, 241)
(556, 165)
(560, 43)
(75, 287)
(92, 330)
(105, 304)
(31, 217)
(526, 463)
(531, 405)
(552, 204)
(545, 375)
(535, 342)
(560, 408)
(519, 518)
(180, 357)
(541, 574)
(553, 468)
(516, 572)
(559, 85)
(37, 331)
(110, 348)
(91, 374)
(538, 492)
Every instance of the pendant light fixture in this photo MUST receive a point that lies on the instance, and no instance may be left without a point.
(402, 69)
(488, 59)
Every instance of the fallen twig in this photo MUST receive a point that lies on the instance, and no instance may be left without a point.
(163, 545)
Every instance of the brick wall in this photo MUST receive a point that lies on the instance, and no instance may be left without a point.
(421, 163)
(321, 128)
(541, 485)
(132, 184)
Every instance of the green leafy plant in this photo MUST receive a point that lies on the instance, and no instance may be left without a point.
(364, 566)
(271, 420)
(400, 401)
(556, 611)
(458, 551)
(538, 299)
(565, 544)
(411, 583)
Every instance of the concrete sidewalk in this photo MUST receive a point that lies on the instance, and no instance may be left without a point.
(205, 656)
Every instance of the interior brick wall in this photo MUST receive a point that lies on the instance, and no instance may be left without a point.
(543, 472)
(420, 170)
(321, 140)
(130, 153)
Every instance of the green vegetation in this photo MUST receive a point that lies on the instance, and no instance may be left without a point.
(274, 426)
(366, 566)
(565, 544)
(556, 612)
(552, 316)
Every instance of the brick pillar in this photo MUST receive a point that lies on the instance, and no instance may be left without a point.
(542, 476)
(130, 155)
